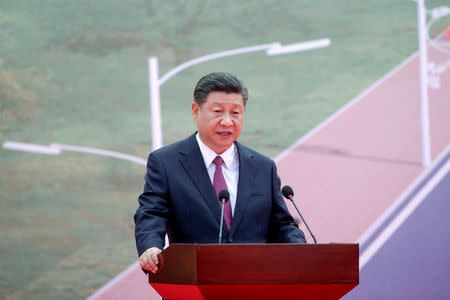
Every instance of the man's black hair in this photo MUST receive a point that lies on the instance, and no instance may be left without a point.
(219, 81)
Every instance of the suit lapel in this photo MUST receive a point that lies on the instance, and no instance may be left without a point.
(193, 163)
(245, 185)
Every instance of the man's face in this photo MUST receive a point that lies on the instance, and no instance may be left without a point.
(219, 119)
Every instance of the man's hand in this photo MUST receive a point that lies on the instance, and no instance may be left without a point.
(149, 259)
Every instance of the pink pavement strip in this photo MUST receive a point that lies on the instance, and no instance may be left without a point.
(132, 283)
(351, 170)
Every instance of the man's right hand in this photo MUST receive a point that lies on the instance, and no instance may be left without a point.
(149, 259)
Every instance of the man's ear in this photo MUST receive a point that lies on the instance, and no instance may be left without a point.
(195, 109)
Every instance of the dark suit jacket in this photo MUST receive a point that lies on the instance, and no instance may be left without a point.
(179, 198)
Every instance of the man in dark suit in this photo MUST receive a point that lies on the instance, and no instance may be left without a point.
(183, 181)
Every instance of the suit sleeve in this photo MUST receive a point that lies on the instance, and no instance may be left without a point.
(282, 228)
(152, 215)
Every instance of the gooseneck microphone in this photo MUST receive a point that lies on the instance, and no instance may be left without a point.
(288, 193)
(224, 196)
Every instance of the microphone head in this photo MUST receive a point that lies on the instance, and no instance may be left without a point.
(224, 195)
(287, 192)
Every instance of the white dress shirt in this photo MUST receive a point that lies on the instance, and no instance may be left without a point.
(230, 167)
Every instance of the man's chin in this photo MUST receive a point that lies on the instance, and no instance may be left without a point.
(223, 145)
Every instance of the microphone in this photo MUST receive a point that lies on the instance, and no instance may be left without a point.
(288, 193)
(224, 196)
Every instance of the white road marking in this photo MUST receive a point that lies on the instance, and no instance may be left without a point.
(403, 215)
(55, 149)
(403, 196)
(34, 148)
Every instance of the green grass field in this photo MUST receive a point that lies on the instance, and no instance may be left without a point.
(76, 73)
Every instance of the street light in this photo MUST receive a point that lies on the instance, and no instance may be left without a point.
(423, 29)
(423, 57)
(155, 83)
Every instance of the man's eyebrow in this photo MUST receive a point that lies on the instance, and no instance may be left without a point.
(221, 104)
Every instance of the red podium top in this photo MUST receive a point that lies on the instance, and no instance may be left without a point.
(257, 271)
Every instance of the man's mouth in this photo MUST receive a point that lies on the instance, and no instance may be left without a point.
(224, 133)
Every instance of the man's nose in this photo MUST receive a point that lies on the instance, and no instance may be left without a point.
(226, 120)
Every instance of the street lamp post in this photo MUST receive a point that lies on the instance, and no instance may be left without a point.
(155, 103)
(423, 58)
(155, 83)
(426, 68)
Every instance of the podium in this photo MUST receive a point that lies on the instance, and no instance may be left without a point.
(256, 271)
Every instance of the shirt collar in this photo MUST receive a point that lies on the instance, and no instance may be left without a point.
(209, 155)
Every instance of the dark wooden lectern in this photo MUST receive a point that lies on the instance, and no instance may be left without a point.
(257, 271)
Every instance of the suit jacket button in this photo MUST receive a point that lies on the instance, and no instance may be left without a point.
(230, 239)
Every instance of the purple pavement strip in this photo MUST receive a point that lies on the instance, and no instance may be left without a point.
(415, 262)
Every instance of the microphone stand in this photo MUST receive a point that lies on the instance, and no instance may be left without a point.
(221, 221)
(304, 222)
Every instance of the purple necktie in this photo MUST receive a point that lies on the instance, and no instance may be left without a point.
(219, 184)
